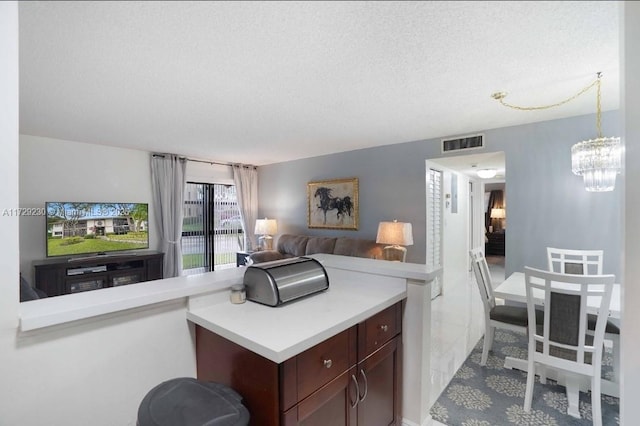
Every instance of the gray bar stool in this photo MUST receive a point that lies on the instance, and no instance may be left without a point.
(185, 401)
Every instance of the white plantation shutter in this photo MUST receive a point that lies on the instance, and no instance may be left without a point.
(434, 224)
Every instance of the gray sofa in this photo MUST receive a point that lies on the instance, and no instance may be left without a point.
(304, 245)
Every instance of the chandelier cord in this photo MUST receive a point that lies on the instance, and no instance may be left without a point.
(499, 96)
(598, 110)
(598, 160)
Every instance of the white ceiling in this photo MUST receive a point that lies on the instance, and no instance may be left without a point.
(264, 82)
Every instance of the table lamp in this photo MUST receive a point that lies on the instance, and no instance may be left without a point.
(396, 234)
(498, 214)
(266, 228)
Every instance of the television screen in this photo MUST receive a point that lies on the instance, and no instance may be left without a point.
(95, 228)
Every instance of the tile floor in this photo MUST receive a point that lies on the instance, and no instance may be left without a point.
(455, 328)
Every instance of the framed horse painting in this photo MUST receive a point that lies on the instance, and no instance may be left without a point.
(333, 204)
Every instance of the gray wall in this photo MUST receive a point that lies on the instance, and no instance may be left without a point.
(59, 170)
(547, 204)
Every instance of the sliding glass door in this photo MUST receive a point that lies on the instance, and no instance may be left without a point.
(211, 230)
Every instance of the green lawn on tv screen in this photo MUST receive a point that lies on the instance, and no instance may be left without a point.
(55, 247)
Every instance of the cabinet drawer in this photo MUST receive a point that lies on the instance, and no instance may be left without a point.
(324, 362)
(379, 329)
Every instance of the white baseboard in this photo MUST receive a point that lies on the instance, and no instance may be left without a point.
(427, 422)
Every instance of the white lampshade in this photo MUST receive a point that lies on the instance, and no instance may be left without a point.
(395, 233)
(498, 214)
(266, 227)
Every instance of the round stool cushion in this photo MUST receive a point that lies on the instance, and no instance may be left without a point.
(186, 401)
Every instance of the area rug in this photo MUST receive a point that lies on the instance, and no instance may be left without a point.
(493, 395)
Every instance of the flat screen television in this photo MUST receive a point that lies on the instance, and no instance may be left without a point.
(77, 229)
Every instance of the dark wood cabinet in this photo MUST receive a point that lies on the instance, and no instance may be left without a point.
(495, 244)
(333, 404)
(73, 275)
(378, 404)
(352, 378)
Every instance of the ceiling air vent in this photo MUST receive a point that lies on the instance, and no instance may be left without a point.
(465, 142)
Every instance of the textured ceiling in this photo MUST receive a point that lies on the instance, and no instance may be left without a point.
(264, 82)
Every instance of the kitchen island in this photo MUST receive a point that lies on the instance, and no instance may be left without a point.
(364, 328)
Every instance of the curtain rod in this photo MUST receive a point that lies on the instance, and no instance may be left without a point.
(208, 162)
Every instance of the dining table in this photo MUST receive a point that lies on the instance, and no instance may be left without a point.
(513, 291)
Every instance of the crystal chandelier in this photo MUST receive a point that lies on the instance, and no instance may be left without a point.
(597, 160)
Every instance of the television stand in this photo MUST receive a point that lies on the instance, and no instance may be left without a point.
(95, 257)
(64, 275)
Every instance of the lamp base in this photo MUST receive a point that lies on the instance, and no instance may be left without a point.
(395, 253)
(265, 242)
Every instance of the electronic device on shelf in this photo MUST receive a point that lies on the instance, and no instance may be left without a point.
(87, 270)
(93, 228)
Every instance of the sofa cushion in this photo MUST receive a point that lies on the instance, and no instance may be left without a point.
(304, 245)
(358, 247)
(295, 245)
(320, 245)
(267, 256)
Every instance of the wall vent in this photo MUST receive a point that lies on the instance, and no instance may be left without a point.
(464, 142)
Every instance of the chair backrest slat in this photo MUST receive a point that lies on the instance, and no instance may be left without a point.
(577, 262)
(564, 332)
(483, 277)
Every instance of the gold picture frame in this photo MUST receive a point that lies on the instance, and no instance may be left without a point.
(333, 204)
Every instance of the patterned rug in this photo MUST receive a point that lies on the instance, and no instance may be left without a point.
(493, 395)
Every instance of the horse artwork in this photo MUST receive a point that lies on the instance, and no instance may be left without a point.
(327, 202)
(333, 204)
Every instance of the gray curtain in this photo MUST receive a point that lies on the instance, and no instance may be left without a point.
(168, 186)
(246, 180)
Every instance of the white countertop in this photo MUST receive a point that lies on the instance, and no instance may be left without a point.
(71, 307)
(278, 333)
(413, 271)
(47, 312)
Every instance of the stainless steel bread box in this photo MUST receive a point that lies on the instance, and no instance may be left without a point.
(281, 281)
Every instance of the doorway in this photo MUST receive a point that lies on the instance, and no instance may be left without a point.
(475, 191)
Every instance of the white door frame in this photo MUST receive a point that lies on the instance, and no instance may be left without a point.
(478, 235)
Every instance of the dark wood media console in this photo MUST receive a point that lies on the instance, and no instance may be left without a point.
(73, 275)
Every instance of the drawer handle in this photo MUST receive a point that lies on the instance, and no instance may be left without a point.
(366, 385)
(327, 363)
(384, 328)
(355, 381)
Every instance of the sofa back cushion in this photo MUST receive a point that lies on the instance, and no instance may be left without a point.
(358, 247)
(295, 245)
(320, 245)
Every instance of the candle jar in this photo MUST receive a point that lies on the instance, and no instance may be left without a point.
(238, 294)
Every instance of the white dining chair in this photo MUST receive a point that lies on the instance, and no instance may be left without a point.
(562, 340)
(587, 262)
(495, 316)
(581, 262)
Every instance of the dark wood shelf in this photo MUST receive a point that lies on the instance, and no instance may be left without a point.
(66, 275)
